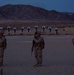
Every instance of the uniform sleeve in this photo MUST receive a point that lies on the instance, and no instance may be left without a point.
(42, 43)
(4, 42)
(73, 41)
(33, 43)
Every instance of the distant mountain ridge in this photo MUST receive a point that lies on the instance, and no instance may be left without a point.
(29, 12)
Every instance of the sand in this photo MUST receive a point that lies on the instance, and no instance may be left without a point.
(58, 56)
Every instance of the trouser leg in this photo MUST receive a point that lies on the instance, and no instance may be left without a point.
(38, 56)
(1, 57)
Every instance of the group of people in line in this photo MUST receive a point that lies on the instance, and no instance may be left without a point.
(29, 29)
(37, 47)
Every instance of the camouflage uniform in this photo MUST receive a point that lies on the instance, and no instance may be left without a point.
(73, 41)
(38, 45)
(2, 48)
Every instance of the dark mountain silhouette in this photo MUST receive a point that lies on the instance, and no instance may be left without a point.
(28, 12)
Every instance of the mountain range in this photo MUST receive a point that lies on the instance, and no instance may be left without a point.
(29, 12)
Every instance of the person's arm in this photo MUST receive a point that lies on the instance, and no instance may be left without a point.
(73, 41)
(42, 44)
(4, 42)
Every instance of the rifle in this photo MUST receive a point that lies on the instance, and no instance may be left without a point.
(32, 50)
(32, 47)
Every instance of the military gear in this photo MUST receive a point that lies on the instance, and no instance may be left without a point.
(38, 45)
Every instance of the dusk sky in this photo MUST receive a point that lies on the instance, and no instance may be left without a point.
(58, 5)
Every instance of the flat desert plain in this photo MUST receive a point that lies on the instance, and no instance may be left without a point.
(58, 56)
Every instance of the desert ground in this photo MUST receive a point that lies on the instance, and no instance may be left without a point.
(58, 56)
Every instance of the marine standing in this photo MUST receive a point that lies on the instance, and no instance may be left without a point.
(3, 45)
(56, 30)
(37, 47)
